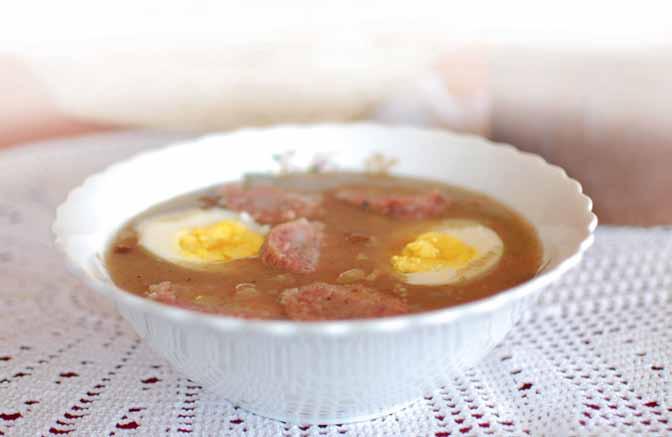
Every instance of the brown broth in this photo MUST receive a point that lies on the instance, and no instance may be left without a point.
(132, 268)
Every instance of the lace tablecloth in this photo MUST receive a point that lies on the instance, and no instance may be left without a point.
(594, 357)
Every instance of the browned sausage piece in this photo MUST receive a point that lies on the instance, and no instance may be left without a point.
(294, 246)
(412, 206)
(268, 204)
(321, 301)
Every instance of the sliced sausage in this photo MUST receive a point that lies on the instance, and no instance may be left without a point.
(269, 204)
(168, 292)
(294, 246)
(420, 205)
(321, 301)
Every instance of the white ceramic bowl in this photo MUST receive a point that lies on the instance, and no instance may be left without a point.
(326, 372)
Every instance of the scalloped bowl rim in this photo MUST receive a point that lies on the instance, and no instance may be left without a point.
(329, 328)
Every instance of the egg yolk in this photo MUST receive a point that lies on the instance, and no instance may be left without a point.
(223, 241)
(433, 251)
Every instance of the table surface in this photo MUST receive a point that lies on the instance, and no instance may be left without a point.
(593, 358)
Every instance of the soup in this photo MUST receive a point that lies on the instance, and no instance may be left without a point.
(325, 246)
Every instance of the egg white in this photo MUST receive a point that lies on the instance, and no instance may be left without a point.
(485, 241)
(160, 234)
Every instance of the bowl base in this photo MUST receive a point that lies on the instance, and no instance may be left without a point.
(328, 420)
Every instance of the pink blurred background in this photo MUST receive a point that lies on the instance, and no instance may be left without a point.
(589, 91)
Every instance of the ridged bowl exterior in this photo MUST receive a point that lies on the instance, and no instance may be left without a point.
(326, 372)
(311, 379)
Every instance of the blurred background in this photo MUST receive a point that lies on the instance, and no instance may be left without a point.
(586, 85)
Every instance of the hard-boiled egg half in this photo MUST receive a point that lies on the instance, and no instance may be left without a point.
(452, 252)
(197, 237)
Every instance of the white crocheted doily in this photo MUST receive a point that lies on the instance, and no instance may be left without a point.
(593, 358)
